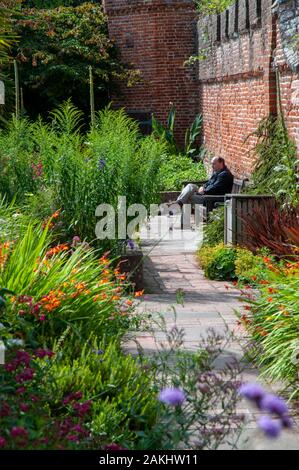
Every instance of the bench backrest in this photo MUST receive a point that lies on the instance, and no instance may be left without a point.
(238, 185)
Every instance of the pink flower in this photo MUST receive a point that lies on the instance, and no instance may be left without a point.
(25, 376)
(23, 357)
(20, 390)
(2, 442)
(42, 317)
(5, 409)
(18, 431)
(41, 353)
(82, 408)
(24, 407)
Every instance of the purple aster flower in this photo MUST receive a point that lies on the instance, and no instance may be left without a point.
(101, 164)
(131, 244)
(274, 404)
(252, 391)
(98, 351)
(286, 422)
(270, 427)
(172, 396)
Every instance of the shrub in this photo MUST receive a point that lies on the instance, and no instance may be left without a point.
(218, 262)
(274, 228)
(213, 232)
(249, 268)
(177, 168)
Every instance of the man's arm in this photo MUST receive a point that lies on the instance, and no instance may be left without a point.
(219, 186)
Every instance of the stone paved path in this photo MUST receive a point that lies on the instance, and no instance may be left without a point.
(170, 267)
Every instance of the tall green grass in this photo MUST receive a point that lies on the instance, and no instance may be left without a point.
(53, 165)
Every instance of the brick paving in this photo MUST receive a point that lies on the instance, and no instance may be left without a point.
(170, 268)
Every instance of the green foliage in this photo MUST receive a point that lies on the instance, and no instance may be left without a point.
(55, 50)
(218, 262)
(63, 286)
(276, 168)
(124, 401)
(248, 266)
(167, 134)
(213, 233)
(212, 7)
(273, 323)
(223, 265)
(178, 168)
(76, 173)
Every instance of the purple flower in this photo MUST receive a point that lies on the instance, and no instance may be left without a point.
(2, 442)
(101, 164)
(131, 244)
(274, 404)
(18, 431)
(172, 396)
(41, 353)
(270, 427)
(287, 422)
(252, 391)
(99, 351)
(76, 240)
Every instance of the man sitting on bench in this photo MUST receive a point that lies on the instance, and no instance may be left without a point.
(220, 183)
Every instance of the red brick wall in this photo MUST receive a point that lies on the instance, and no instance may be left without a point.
(157, 36)
(289, 86)
(238, 83)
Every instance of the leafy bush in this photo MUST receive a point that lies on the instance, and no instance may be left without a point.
(249, 268)
(213, 232)
(177, 168)
(218, 262)
(276, 167)
(54, 52)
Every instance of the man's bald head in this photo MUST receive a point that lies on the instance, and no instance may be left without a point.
(218, 163)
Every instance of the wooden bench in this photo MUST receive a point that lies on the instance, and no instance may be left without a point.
(213, 201)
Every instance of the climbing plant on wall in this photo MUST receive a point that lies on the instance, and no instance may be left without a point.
(212, 7)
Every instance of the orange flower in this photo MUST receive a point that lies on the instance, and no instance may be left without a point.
(80, 286)
(106, 272)
(254, 278)
(270, 299)
(104, 281)
(55, 215)
(116, 272)
(263, 282)
(271, 290)
(96, 298)
(104, 296)
(115, 297)
(139, 293)
(50, 302)
(57, 249)
(266, 259)
(129, 302)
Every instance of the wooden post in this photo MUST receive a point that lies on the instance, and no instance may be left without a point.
(17, 90)
(91, 87)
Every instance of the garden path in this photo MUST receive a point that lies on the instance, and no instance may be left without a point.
(173, 280)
